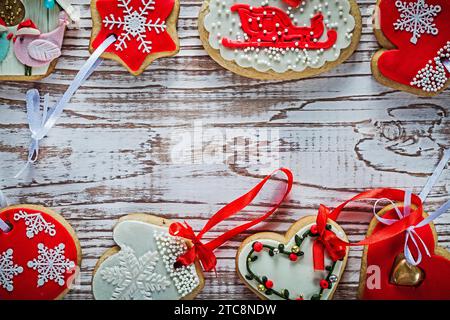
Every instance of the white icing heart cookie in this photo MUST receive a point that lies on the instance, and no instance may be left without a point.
(142, 266)
(281, 267)
(268, 39)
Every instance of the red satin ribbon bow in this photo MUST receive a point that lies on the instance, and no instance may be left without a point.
(390, 231)
(204, 252)
(326, 241)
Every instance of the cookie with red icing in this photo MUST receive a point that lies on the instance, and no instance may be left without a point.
(39, 255)
(279, 39)
(144, 29)
(415, 36)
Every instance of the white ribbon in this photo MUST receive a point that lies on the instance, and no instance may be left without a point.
(411, 235)
(3, 203)
(435, 176)
(39, 122)
(74, 13)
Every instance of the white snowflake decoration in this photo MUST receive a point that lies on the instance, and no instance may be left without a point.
(170, 248)
(51, 264)
(433, 77)
(134, 24)
(8, 270)
(417, 18)
(134, 278)
(35, 223)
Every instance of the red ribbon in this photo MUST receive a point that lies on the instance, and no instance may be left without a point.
(326, 241)
(390, 231)
(204, 252)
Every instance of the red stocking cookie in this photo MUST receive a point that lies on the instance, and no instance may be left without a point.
(39, 255)
(415, 35)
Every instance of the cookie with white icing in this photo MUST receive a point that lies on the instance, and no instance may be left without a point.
(142, 266)
(268, 262)
(269, 39)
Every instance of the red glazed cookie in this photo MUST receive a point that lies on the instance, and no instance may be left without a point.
(39, 256)
(145, 30)
(379, 262)
(415, 36)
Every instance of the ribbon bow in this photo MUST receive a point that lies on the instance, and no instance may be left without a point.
(411, 236)
(410, 219)
(198, 250)
(326, 241)
(39, 122)
(204, 252)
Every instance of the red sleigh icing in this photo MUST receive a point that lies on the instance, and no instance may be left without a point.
(272, 27)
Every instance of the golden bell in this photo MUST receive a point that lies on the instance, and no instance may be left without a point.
(404, 274)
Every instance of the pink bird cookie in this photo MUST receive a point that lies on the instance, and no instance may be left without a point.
(35, 49)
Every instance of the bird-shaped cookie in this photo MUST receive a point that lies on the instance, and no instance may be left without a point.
(35, 49)
(5, 38)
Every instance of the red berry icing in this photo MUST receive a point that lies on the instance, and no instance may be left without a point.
(269, 284)
(314, 229)
(257, 246)
(324, 284)
(293, 257)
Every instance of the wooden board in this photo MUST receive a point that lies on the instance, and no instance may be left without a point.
(112, 152)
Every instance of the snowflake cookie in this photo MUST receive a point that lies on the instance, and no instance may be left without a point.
(272, 40)
(415, 36)
(39, 256)
(142, 266)
(144, 30)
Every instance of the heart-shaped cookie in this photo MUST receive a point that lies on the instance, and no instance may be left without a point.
(268, 263)
(142, 266)
(380, 266)
(39, 256)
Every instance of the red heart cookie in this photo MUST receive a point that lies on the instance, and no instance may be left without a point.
(378, 261)
(38, 256)
(415, 35)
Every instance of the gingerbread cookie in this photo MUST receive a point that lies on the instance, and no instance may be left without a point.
(31, 37)
(415, 36)
(39, 256)
(386, 274)
(276, 39)
(267, 262)
(144, 29)
(142, 266)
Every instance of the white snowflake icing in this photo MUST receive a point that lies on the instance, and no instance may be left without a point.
(417, 18)
(8, 270)
(134, 277)
(433, 77)
(51, 264)
(170, 248)
(35, 223)
(134, 24)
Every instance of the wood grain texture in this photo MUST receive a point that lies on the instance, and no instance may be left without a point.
(130, 144)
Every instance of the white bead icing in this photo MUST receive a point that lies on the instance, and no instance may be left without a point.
(184, 278)
(220, 22)
(433, 76)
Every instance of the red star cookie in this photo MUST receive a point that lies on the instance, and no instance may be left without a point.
(145, 30)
